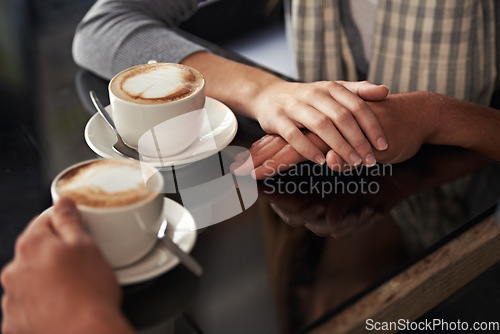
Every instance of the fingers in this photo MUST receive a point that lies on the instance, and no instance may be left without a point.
(335, 111)
(66, 221)
(335, 161)
(340, 118)
(286, 157)
(366, 90)
(38, 229)
(362, 118)
(272, 154)
(289, 131)
(262, 150)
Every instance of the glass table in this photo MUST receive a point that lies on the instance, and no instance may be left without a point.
(313, 251)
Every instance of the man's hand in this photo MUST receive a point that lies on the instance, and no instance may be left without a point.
(58, 281)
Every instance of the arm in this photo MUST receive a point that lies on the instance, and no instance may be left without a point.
(409, 120)
(467, 125)
(116, 34)
(59, 282)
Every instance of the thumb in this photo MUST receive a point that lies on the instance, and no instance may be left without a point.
(67, 222)
(366, 90)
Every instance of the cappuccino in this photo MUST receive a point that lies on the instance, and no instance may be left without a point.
(106, 184)
(156, 83)
(121, 213)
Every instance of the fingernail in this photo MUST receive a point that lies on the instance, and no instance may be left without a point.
(319, 159)
(370, 160)
(355, 159)
(382, 144)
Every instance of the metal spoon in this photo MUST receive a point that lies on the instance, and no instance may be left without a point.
(187, 260)
(119, 146)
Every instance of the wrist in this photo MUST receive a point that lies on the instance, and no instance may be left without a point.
(249, 96)
(438, 118)
(235, 84)
(263, 96)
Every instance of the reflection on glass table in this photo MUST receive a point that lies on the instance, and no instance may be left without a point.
(332, 238)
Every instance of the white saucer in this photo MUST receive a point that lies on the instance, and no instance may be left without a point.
(181, 229)
(220, 130)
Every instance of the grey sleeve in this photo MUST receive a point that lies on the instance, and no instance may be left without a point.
(116, 34)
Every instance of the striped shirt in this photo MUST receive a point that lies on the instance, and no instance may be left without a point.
(445, 46)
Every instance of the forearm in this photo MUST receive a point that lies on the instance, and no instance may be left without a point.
(235, 84)
(117, 34)
(467, 125)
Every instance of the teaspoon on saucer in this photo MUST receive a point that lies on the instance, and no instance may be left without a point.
(187, 260)
(119, 146)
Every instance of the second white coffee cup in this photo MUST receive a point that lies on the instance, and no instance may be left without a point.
(120, 204)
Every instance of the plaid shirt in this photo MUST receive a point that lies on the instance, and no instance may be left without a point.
(445, 46)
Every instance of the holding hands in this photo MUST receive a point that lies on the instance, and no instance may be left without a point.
(335, 111)
(409, 120)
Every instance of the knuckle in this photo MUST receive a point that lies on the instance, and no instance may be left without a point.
(6, 275)
(312, 93)
(333, 84)
(361, 144)
(291, 134)
(358, 106)
(267, 127)
(373, 128)
(321, 122)
(342, 116)
(23, 246)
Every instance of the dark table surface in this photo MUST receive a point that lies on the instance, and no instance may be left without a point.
(313, 243)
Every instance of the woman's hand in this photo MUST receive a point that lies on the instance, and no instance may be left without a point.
(335, 111)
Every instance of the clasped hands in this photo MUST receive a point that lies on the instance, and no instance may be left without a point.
(368, 122)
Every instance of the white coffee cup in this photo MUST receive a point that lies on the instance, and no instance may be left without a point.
(120, 204)
(158, 107)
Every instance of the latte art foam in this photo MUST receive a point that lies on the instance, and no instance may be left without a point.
(156, 83)
(104, 184)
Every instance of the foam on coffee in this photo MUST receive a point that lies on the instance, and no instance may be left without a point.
(105, 183)
(156, 83)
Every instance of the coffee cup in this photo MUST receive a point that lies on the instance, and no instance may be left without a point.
(158, 107)
(120, 203)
